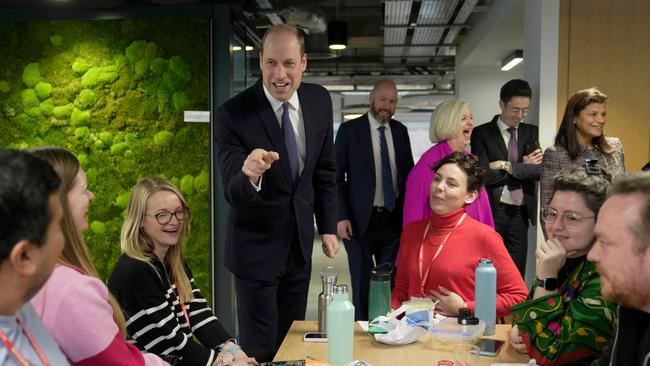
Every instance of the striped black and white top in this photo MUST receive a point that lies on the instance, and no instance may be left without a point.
(154, 317)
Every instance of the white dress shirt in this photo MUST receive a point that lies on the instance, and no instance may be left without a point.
(506, 196)
(376, 151)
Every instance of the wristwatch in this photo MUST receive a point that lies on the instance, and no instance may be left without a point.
(507, 166)
(548, 284)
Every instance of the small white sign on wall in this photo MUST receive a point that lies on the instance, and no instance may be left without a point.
(196, 116)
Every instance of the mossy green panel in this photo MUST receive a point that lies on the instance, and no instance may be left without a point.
(113, 93)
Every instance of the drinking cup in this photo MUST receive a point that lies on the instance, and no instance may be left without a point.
(466, 354)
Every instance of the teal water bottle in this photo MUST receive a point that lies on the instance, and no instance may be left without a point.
(340, 327)
(485, 294)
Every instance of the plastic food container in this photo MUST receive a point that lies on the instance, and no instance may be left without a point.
(448, 332)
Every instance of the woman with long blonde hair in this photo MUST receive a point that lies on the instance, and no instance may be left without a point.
(74, 304)
(154, 285)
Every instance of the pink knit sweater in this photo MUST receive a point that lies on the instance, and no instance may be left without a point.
(74, 307)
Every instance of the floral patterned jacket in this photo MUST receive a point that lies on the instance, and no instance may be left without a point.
(571, 326)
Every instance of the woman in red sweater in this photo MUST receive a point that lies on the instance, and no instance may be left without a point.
(438, 255)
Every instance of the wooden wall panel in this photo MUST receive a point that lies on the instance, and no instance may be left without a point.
(607, 44)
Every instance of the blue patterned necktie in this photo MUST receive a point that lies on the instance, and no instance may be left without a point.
(290, 141)
(513, 153)
(386, 175)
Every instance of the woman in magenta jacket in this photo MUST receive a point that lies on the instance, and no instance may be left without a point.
(450, 129)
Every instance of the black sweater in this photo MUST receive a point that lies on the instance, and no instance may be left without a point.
(631, 346)
(155, 320)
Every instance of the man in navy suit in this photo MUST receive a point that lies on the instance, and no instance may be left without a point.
(274, 143)
(373, 157)
(509, 148)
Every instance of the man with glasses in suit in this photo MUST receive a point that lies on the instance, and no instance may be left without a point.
(509, 149)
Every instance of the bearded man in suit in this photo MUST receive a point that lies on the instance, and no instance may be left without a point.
(373, 157)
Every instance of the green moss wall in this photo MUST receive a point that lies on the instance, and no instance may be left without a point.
(113, 93)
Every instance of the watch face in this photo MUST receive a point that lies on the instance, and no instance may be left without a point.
(551, 284)
(548, 283)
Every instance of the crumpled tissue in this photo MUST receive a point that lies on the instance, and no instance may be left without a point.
(398, 332)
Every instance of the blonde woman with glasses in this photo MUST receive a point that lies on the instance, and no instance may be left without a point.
(565, 319)
(74, 303)
(165, 311)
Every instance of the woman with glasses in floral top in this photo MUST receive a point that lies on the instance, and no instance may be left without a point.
(565, 319)
(165, 311)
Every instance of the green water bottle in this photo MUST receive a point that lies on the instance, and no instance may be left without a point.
(379, 291)
(340, 327)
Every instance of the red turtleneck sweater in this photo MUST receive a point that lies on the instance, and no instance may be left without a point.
(455, 265)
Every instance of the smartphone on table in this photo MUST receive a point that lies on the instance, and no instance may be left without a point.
(315, 337)
(284, 363)
(490, 347)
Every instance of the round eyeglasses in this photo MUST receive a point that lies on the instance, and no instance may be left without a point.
(165, 217)
(571, 219)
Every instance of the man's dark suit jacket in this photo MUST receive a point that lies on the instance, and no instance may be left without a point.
(261, 224)
(355, 159)
(488, 145)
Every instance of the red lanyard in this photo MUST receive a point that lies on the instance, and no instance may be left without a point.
(187, 317)
(423, 278)
(177, 293)
(19, 357)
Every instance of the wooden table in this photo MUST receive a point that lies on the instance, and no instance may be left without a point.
(366, 348)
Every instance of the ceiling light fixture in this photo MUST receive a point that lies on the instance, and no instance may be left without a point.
(350, 116)
(337, 34)
(512, 60)
(338, 87)
(249, 48)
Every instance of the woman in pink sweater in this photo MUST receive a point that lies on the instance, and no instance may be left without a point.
(74, 304)
(439, 254)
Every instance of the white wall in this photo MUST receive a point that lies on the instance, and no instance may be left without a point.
(541, 33)
(480, 85)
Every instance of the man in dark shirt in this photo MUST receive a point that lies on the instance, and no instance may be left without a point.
(622, 257)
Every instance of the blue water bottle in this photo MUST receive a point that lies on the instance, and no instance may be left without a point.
(340, 327)
(485, 294)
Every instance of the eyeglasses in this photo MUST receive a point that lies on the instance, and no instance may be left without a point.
(516, 111)
(571, 219)
(165, 217)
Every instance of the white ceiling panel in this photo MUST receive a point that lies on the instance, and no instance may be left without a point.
(397, 12)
